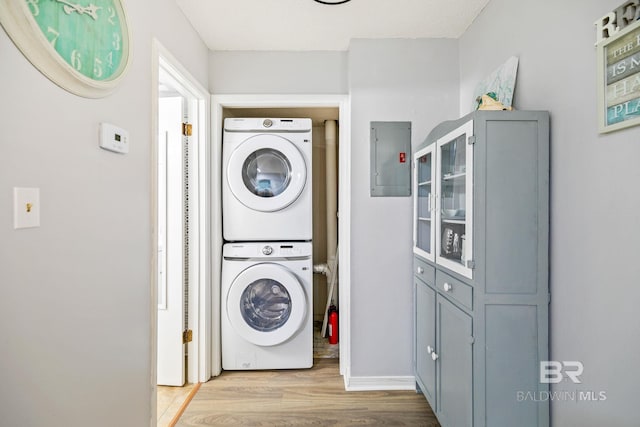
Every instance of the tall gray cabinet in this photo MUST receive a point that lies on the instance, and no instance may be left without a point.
(481, 230)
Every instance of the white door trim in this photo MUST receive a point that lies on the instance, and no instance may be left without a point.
(343, 103)
(200, 272)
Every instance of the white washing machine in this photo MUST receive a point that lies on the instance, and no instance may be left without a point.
(267, 305)
(266, 183)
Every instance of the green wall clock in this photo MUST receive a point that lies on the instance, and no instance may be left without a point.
(81, 45)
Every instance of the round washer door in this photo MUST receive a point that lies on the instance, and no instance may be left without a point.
(266, 173)
(266, 304)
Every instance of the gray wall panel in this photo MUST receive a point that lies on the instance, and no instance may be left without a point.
(593, 178)
(75, 311)
(233, 72)
(511, 363)
(389, 80)
(511, 208)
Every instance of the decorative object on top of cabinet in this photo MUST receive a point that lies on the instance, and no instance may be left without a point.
(501, 82)
(83, 48)
(618, 75)
(490, 102)
(481, 224)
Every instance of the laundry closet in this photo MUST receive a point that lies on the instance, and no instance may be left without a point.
(324, 195)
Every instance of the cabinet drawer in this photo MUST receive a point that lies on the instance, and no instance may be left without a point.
(455, 289)
(424, 271)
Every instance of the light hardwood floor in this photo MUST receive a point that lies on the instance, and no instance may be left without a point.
(299, 398)
(170, 401)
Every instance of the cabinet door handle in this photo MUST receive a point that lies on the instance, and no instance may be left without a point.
(429, 349)
(447, 287)
(434, 356)
(420, 270)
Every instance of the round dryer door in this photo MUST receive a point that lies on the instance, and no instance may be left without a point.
(266, 304)
(266, 173)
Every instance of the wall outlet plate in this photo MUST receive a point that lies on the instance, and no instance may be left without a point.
(26, 207)
(113, 138)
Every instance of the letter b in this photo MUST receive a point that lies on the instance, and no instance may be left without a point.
(550, 372)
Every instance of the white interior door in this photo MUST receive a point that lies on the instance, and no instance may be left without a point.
(171, 242)
(181, 239)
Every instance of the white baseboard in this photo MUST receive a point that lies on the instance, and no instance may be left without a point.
(379, 383)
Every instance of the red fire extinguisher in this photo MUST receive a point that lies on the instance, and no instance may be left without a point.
(333, 325)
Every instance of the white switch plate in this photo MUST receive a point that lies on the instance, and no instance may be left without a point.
(113, 138)
(26, 207)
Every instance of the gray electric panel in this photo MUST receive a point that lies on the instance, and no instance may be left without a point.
(390, 159)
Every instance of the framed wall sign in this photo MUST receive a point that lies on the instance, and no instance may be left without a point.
(618, 77)
(81, 45)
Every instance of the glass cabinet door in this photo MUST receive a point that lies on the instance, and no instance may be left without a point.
(454, 210)
(424, 202)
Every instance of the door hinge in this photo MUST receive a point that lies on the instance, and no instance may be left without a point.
(471, 140)
(471, 264)
(187, 336)
(187, 129)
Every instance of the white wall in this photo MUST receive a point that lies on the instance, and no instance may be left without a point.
(75, 306)
(594, 183)
(75, 293)
(390, 80)
(406, 80)
(320, 72)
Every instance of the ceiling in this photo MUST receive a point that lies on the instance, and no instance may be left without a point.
(296, 25)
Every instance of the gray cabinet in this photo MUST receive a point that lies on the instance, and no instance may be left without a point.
(481, 283)
(426, 340)
(454, 353)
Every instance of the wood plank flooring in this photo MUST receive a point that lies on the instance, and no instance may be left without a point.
(308, 397)
(170, 401)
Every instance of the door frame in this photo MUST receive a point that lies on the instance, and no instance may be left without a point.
(343, 103)
(199, 368)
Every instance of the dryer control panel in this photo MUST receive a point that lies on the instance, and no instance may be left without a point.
(237, 124)
(266, 250)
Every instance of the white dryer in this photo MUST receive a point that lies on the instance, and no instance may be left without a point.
(266, 183)
(267, 305)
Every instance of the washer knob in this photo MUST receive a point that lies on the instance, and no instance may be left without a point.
(267, 250)
(267, 123)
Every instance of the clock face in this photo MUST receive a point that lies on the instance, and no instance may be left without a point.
(81, 45)
(88, 35)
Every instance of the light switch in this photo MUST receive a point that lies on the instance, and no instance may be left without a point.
(26, 207)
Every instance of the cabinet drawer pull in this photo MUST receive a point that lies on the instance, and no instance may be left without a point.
(420, 270)
(434, 356)
(447, 287)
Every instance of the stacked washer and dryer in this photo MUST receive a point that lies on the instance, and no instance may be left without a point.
(267, 265)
